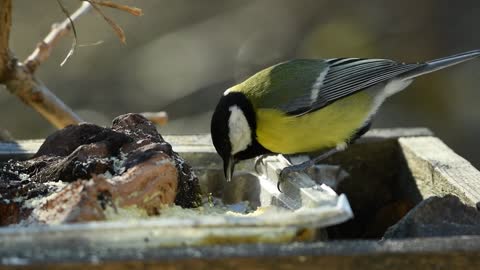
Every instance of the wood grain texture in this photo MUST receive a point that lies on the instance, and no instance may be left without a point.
(432, 253)
(438, 170)
(435, 167)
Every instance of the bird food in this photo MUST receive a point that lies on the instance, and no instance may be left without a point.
(83, 171)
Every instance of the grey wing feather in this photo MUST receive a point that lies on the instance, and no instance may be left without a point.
(344, 77)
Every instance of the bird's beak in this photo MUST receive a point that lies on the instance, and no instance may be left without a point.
(228, 166)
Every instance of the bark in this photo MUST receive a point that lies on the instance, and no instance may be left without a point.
(5, 25)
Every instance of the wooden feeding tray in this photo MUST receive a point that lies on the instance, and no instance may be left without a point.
(389, 172)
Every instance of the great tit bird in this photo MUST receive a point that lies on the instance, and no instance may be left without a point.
(308, 105)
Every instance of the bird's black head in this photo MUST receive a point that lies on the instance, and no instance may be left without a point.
(233, 130)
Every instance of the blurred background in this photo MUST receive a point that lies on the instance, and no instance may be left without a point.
(181, 55)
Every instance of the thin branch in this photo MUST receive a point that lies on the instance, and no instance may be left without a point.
(132, 10)
(74, 30)
(118, 30)
(34, 93)
(19, 77)
(44, 48)
(5, 25)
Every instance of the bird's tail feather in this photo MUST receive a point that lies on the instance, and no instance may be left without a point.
(441, 63)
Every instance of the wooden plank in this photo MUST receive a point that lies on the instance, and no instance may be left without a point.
(199, 143)
(426, 253)
(19, 149)
(380, 134)
(24, 149)
(438, 170)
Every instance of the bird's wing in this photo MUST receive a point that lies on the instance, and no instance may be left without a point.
(343, 77)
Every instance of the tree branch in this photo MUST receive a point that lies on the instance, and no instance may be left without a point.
(44, 47)
(34, 93)
(5, 25)
(19, 77)
(21, 81)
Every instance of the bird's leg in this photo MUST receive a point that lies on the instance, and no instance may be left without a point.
(302, 167)
(259, 160)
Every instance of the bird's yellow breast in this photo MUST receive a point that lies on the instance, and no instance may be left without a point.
(318, 130)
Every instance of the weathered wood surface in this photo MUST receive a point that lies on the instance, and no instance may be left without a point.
(432, 164)
(19, 149)
(433, 253)
(437, 170)
(200, 143)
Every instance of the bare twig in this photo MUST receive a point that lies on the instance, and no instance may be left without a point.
(19, 77)
(118, 30)
(42, 52)
(132, 10)
(34, 93)
(20, 80)
(74, 30)
(159, 118)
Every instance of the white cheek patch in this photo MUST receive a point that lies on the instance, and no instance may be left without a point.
(239, 130)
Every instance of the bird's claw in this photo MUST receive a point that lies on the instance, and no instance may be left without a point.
(278, 185)
(258, 162)
(289, 170)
